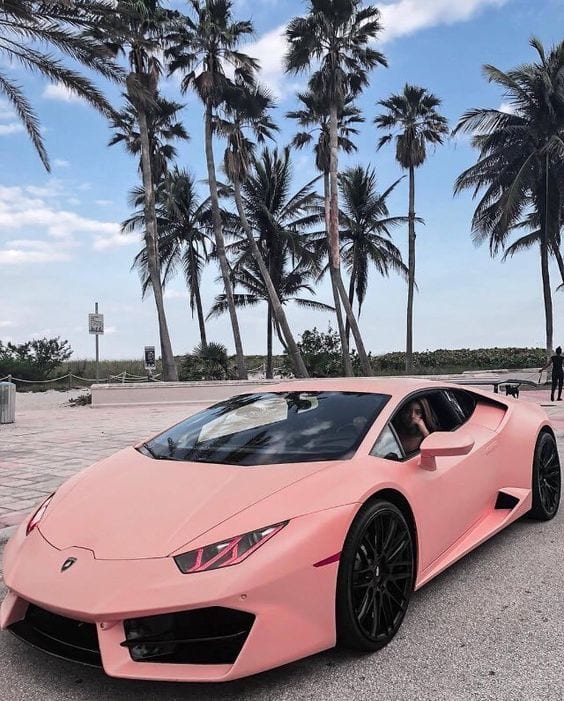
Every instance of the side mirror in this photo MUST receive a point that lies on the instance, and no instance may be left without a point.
(443, 443)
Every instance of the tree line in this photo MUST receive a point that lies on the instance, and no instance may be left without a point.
(274, 242)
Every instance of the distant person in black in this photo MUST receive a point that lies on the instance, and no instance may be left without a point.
(557, 373)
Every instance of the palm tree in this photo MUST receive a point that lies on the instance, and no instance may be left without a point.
(366, 224)
(534, 238)
(413, 120)
(247, 111)
(164, 128)
(520, 165)
(202, 51)
(26, 28)
(184, 226)
(336, 33)
(292, 280)
(314, 118)
(281, 220)
(139, 28)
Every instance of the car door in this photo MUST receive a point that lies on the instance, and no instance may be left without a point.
(451, 499)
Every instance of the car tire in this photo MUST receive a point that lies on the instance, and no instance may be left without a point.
(376, 577)
(546, 478)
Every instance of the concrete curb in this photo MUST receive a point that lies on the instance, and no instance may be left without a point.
(6, 534)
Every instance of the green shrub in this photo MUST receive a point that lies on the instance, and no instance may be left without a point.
(321, 353)
(33, 360)
(207, 363)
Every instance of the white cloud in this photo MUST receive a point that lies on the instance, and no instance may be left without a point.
(174, 294)
(61, 163)
(12, 128)
(54, 188)
(29, 209)
(399, 18)
(59, 91)
(113, 240)
(408, 16)
(270, 50)
(6, 111)
(12, 257)
(5, 324)
(104, 203)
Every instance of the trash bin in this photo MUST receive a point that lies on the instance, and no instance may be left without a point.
(7, 402)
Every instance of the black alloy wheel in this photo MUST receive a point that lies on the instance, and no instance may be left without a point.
(376, 577)
(546, 478)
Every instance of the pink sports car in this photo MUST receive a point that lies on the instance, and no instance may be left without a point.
(274, 525)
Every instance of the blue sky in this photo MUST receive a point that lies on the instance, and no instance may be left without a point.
(61, 250)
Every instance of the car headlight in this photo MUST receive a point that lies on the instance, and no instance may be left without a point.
(227, 552)
(38, 515)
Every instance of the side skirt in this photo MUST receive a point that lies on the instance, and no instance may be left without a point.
(491, 523)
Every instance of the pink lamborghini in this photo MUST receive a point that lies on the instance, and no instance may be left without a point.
(274, 525)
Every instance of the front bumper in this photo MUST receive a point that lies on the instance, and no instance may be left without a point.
(291, 602)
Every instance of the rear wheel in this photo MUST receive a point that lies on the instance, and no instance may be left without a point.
(376, 577)
(546, 478)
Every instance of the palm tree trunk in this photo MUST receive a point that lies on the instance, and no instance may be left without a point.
(220, 245)
(269, 364)
(195, 295)
(201, 319)
(547, 297)
(411, 273)
(298, 364)
(544, 246)
(559, 260)
(351, 293)
(334, 254)
(347, 364)
(170, 373)
(280, 337)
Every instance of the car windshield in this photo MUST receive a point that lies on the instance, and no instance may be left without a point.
(272, 428)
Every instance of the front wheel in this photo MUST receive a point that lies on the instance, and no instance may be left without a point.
(546, 478)
(376, 577)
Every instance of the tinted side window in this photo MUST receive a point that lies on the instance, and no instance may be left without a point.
(387, 446)
(463, 403)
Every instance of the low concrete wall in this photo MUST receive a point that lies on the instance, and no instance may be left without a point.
(146, 393)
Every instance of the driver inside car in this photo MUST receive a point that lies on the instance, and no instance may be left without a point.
(414, 423)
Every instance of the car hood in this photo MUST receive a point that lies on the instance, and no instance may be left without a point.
(131, 506)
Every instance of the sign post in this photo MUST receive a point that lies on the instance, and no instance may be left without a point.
(96, 326)
(150, 361)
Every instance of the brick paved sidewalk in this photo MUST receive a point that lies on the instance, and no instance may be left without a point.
(45, 447)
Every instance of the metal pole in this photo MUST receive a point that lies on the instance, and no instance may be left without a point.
(97, 350)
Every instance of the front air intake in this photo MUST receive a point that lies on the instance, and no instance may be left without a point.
(59, 636)
(212, 635)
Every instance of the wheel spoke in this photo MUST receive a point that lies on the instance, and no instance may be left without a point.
(391, 532)
(399, 577)
(367, 600)
(398, 546)
(399, 601)
(376, 608)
